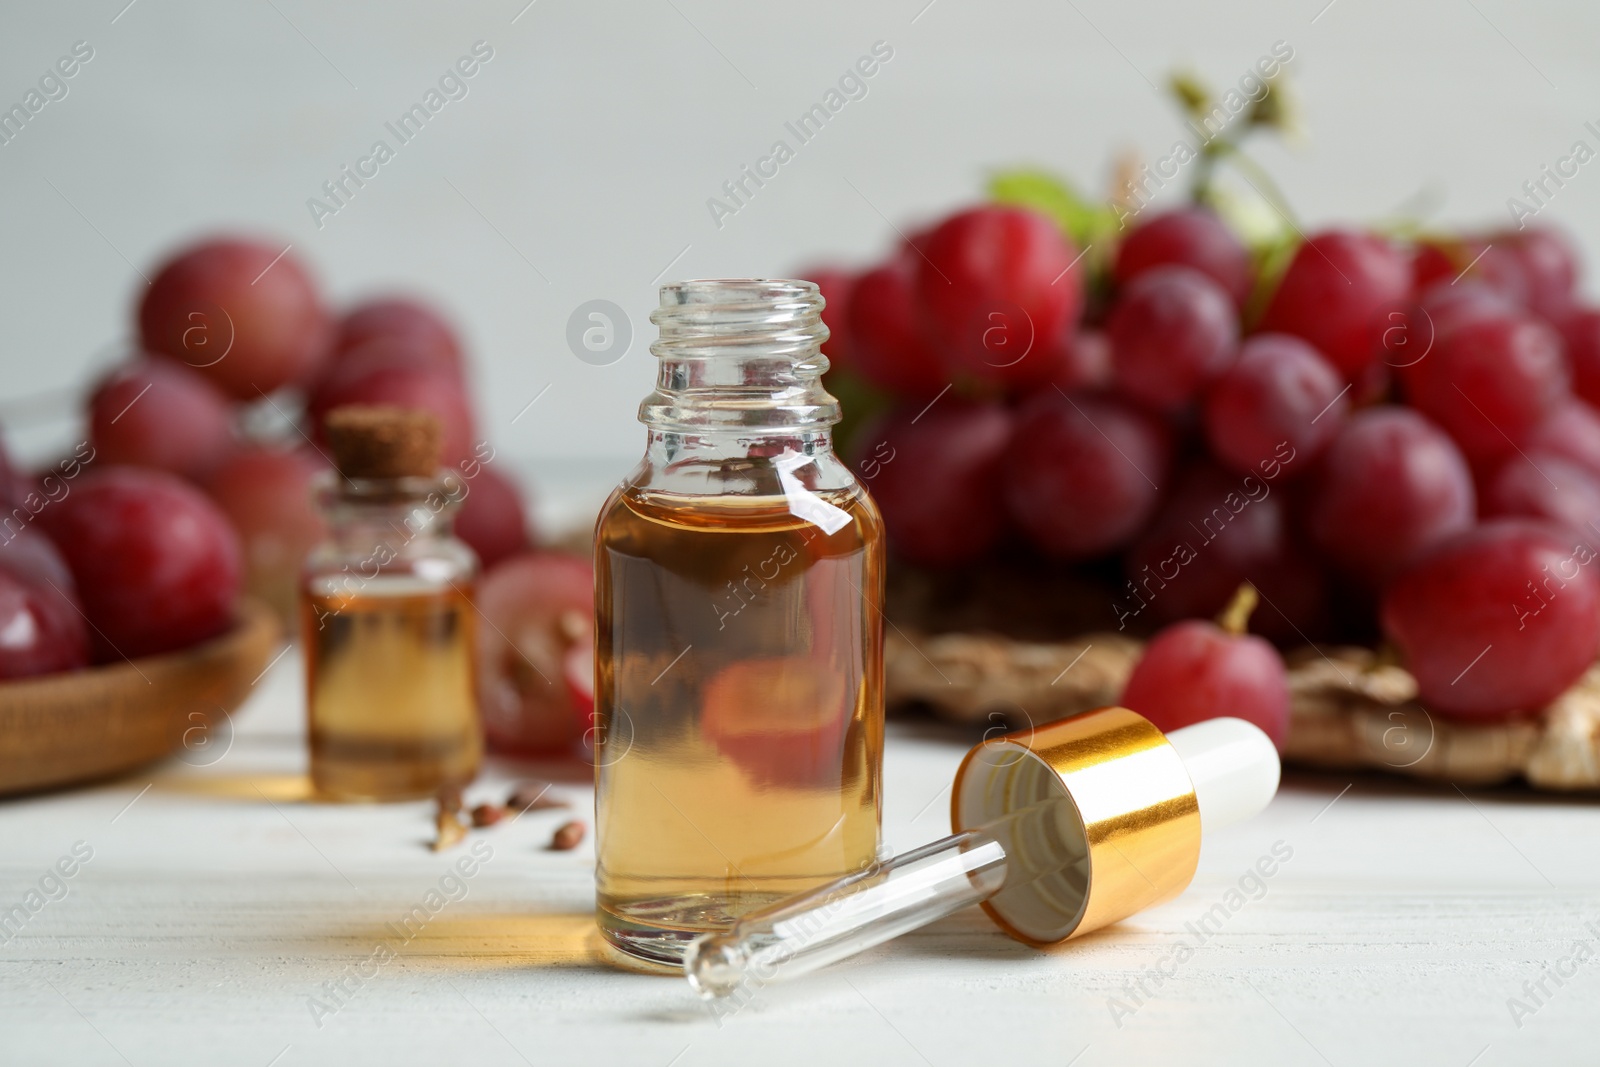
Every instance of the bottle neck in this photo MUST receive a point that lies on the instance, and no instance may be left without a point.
(666, 447)
(740, 360)
(391, 514)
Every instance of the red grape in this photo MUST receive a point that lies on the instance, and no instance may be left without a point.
(233, 310)
(1280, 403)
(1172, 331)
(1371, 387)
(389, 377)
(537, 607)
(1391, 486)
(837, 286)
(995, 285)
(1083, 362)
(1215, 531)
(1497, 621)
(1543, 486)
(339, 372)
(267, 495)
(1409, 335)
(886, 343)
(1193, 671)
(1440, 310)
(1189, 237)
(1297, 599)
(1434, 261)
(1497, 266)
(1489, 382)
(493, 519)
(1552, 267)
(399, 318)
(41, 631)
(31, 555)
(1572, 432)
(157, 413)
(1581, 330)
(935, 474)
(1336, 294)
(1081, 476)
(1537, 268)
(156, 563)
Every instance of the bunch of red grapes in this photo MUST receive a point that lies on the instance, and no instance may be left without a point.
(196, 478)
(1389, 440)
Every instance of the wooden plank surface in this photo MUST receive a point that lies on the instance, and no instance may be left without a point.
(218, 905)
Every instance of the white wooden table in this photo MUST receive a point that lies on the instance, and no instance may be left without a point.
(218, 905)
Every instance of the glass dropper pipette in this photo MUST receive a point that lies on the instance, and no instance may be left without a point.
(1061, 830)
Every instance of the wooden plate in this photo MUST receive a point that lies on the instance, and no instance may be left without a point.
(61, 729)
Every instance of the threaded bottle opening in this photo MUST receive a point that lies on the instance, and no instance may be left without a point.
(704, 315)
(739, 354)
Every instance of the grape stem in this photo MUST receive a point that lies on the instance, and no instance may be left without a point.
(1235, 618)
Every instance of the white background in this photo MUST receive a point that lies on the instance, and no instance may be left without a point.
(594, 137)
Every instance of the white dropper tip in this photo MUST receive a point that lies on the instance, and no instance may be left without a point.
(1234, 767)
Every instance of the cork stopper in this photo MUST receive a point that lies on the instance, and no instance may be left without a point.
(373, 441)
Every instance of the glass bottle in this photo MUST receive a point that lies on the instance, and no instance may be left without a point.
(738, 594)
(387, 617)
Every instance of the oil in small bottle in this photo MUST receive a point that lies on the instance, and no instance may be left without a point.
(390, 690)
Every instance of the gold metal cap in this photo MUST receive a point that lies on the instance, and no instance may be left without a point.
(1096, 813)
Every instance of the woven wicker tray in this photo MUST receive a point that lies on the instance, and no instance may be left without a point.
(1349, 711)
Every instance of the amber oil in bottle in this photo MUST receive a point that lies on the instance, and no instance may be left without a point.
(739, 576)
(387, 618)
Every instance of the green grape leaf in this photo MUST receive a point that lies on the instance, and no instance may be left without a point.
(1083, 220)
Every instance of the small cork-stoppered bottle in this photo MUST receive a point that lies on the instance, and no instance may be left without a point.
(739, 662)
(387, 616)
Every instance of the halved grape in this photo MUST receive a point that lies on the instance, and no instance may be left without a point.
(537, 607)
